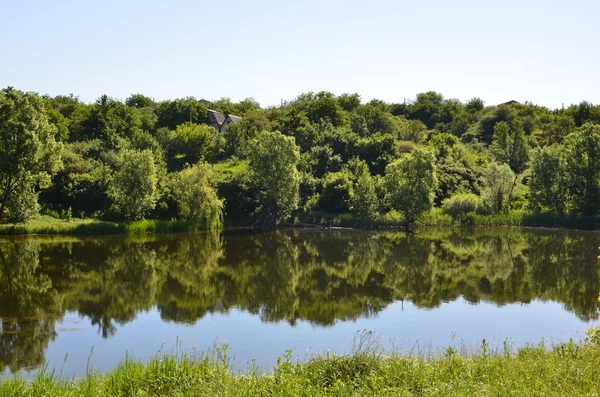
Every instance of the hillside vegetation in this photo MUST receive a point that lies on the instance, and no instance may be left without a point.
(319, 158)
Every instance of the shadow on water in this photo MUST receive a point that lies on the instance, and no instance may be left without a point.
(318, 276)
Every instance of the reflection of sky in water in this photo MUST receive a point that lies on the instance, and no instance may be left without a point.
(400, 326)
(138, 293)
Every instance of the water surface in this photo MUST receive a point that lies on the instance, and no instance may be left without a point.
(70, 301)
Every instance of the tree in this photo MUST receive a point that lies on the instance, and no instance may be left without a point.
(494, 115)
(172, 113)
(197, 200)
(349, 102)
(335, 197)
(108, 120)
(133, 188)
(363, 196)
(549, 181)
(509, 146)
(273, 161)
(139, 101)
(498, 183)
(427, 108)
(326, 107)
(583, 164)
(29, 154)
(188, 144)
(410, 184)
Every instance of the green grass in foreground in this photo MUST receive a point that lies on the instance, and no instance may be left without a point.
(569, 369)
(49, 225)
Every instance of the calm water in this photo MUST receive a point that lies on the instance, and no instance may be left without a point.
(66, 301)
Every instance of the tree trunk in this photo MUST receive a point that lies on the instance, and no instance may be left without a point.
(511, 189)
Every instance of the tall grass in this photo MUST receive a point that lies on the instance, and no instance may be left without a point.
(568, 369)
(47, 225)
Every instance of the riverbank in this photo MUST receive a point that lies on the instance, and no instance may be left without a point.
(567, 369)
(435, 218)
(49, 225)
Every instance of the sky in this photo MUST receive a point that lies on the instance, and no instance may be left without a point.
(545, 52)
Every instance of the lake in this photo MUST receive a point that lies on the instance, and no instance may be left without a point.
(86, 302)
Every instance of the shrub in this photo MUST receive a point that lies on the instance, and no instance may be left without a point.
(459, 205)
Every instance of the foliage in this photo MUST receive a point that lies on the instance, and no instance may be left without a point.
(188, 144)
(29, 154)
(498, 184)
(509, 146)
(273, 160)
(410, 182)
(549, 180)
(335, 197)
(583, 165)
(134, 187)
(197, 201)
(363, 196)
(459, 205)
(332, 133)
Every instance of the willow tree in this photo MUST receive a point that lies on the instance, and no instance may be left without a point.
(197, 200)
(29, 154)
(273, 162)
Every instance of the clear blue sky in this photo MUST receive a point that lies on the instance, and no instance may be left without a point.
(544, 51)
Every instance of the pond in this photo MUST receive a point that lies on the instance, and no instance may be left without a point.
(71, 303)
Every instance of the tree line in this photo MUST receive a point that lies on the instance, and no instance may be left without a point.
(319, 156)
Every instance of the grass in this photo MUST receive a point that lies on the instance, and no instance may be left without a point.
(49, 225)
(568, 369)
(435, 217)
(226, 170)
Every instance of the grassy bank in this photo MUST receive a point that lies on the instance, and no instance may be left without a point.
(569, 369)
(49, 225)
(437, 218)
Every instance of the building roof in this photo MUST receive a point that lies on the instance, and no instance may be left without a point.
(508, 103)
(235, 119)
(216, 117)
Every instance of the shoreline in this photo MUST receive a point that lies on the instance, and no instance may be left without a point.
(92, 227)
(568, 368)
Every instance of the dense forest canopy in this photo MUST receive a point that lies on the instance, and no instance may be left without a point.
(319, 155)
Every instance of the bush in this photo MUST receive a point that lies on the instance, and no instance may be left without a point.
(459, 205)
(335, 197)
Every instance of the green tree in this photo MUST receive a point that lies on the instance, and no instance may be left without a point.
(583, 165)
(549, 181)
(410, 184)
(139, 101)
(107, 119)
(29, 154)
(509, 146)
(335, 197)
(363, 196)
(172, 113)
(498, 183)
(326, 107)
(273, 162)
(197, 200)
(188, 144)
(134, 187)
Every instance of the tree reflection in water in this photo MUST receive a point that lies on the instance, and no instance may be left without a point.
(288, 275)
